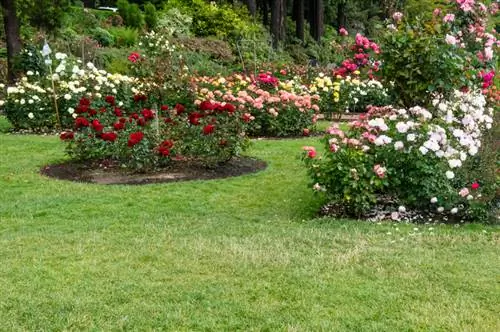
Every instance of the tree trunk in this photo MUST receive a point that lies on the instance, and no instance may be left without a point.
(298, 16)
(264, 8)
(11, 26)
(278, 16)
(252, 6)
(317, 12)
(341, 15)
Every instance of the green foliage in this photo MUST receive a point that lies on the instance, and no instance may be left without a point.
(47, 15)
(418, 60)
(175, 23)
(103, 36)
(221, 20)
(113, 60)
(131, 14)
(150, 16)
(124, 36)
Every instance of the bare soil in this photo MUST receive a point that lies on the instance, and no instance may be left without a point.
(108, 172)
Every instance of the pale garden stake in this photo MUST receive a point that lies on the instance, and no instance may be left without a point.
(46, 53)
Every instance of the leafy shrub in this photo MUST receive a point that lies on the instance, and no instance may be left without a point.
(114, 20)
(150, 16)
(124, 37)
(175, 23)
(113, 60)
(131, 14)
(103, 37)
(214, 48)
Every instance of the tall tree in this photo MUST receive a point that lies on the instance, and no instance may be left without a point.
(298, 16)
(316, 18)
(11, 26)
(278, 17)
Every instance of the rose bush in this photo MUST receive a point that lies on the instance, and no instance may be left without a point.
(142, 138)
(406, 154)
(274, 110)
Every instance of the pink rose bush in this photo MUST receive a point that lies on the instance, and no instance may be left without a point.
(412, 155)
(274, 110)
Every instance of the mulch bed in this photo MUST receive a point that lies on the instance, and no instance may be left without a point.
(108, 172)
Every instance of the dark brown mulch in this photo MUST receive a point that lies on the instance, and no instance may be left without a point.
(106, 172)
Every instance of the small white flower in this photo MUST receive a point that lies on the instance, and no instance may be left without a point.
(402, 209)
(120, 104)
(434, 200)
(31, 101)
(454, 163)
(411, 137)
(23, 101)
(423, 150)
(395, 216)
(450, 175)
(74, 115)
(440, 209)
(31, 115)
(454, 211)
(469, 197)
(402, 127)
(71, 110)
(67, 96)
(29, 73)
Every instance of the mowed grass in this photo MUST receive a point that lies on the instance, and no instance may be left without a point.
(235, 254)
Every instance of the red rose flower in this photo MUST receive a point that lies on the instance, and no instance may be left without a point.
(110, 136)
(147, 114)
(167, 144)
(194, 118)
(164, 107)
(475, 186)
(118, 112)
(229, 108)
(134, 116)
(81, 122)
(208, 129)
(97, 125)
(133, 57)
(140, 97)
(92, 112)
(179, 109)
(135, 138)
(207, 106)
(165, 152)
(141, 122)
(81, 109)
(110, 100)
(84, 102)
(119, 125)
(305, 132)
(67, 135)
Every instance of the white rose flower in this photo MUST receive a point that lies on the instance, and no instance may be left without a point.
(31, 101)
(434, 200)
(71, 110)
(469, 197)
(23, 101)
(440, 209)
(454, 163)
(29, 73)
(423, 150)
(411, 137)
(31, 115)
(402, 209)
(67, 96)
(402, 127)
(450, 175)
(454, 211)
(398, 145)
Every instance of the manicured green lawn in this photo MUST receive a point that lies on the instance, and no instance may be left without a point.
(235, 254)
